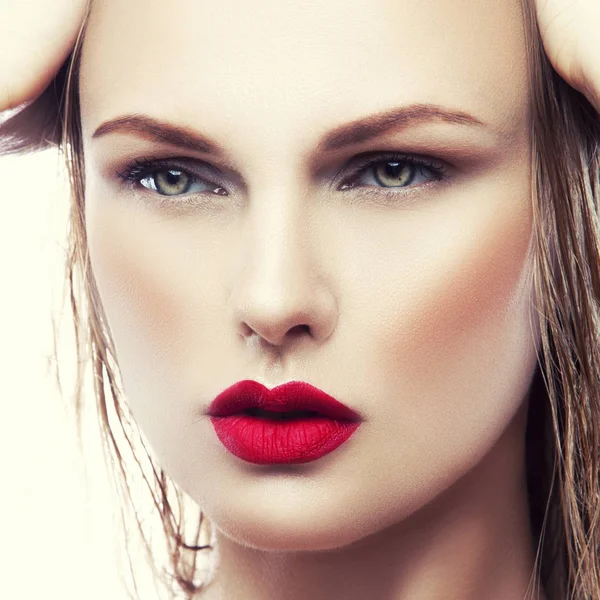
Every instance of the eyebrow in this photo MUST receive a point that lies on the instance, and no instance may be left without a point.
(354, 132)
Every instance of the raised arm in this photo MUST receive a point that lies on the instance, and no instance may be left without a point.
(570, 30)
(36, 37)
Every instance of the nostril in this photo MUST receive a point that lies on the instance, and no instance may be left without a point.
(300, 329)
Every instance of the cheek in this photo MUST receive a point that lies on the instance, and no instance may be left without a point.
(143, 294)
(457, 350)
(477, 289)
(157, 308)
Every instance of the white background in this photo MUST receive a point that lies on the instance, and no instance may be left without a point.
(57, 536)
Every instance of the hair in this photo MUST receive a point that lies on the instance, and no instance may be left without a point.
(563, 427)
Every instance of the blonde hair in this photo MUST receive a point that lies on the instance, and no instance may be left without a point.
(563, 431)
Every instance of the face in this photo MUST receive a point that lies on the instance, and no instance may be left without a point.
(272, 250)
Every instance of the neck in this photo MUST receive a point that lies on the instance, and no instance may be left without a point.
(473, 541)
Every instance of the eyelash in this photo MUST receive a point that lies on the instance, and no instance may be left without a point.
(145, 167)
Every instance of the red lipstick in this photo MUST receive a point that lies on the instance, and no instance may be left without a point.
(292, 423)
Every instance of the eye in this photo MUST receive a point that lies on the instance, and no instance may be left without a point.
(386, 172)
(167, 178)
(383, 173)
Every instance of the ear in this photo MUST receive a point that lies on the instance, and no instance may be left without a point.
(38, 125)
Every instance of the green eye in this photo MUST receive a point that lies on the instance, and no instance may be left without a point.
(394, 174)
(172, 182)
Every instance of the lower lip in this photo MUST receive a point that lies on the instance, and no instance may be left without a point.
(267, 441)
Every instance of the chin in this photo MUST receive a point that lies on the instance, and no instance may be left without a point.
(282, 532)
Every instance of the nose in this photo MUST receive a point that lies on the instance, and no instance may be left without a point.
(283, 288)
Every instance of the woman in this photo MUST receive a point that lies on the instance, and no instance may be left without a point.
(383, 214)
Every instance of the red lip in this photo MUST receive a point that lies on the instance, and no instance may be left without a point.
(262, 440)
(294, 395)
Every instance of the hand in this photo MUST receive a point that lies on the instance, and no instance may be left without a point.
(570, 31)
(36, 37)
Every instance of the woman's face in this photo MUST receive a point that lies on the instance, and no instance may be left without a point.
(402, 292)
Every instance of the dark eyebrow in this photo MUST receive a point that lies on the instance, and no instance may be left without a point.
(159, 131)
(363, 129)
(348, 134)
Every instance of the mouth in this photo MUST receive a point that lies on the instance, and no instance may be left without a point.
(290, 424)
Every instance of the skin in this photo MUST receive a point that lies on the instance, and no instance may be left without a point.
(569, 31)
(413, 309)
(50, 28)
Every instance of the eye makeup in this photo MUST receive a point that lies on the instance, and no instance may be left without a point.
(406, 166)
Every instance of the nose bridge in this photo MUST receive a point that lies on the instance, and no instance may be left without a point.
(277, 287)
(274, 254)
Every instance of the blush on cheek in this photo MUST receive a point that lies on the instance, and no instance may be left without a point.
(470, 305)
(456, 350)
(484, 282)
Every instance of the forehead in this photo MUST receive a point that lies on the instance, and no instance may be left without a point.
(238, 68)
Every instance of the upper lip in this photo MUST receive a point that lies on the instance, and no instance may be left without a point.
(294, 395)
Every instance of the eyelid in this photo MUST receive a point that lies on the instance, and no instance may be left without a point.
(183, 163)
(368, 158)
